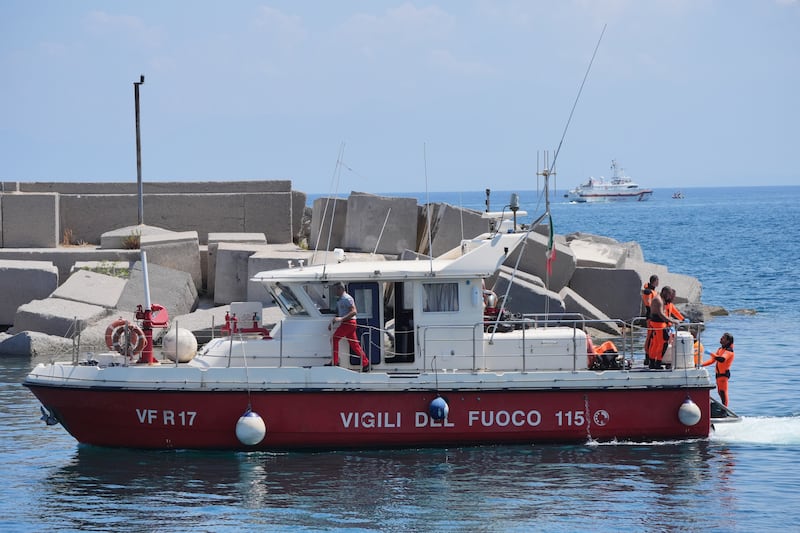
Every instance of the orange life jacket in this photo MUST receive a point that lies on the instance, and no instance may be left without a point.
(648, 293)
(724, 359)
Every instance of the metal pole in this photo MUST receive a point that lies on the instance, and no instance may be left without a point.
(138, 149)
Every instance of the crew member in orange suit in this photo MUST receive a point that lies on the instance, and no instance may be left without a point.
(658, 330)
(723, 359)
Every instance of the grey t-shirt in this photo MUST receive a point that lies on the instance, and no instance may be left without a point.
(344, 304)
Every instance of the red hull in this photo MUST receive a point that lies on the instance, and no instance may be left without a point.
(331, 420)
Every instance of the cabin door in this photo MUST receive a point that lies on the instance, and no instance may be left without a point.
(368, 302)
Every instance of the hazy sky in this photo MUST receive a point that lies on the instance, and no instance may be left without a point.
(682, 92)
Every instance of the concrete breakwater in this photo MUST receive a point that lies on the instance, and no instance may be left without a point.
(68, 255)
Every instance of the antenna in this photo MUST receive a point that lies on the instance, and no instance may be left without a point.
(574, 105)
(337, 172)
(546, 173)
(428, 200)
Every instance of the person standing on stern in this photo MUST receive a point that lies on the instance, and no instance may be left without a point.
(723, 358)
(345, 324)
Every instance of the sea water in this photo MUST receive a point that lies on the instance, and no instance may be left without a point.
(743, 244)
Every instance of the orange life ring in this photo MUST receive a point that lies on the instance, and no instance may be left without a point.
(115, 338)
(110, 331)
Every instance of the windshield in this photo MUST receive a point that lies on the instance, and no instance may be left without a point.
(287, 301)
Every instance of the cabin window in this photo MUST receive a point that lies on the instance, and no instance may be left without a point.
(440, 297)
(363, 299)
(319, 294)
(286, 299)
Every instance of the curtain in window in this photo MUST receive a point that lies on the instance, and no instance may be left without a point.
(440, 297)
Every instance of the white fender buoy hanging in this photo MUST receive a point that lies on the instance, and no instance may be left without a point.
(250, 429)
(438, 408)
(689, 413)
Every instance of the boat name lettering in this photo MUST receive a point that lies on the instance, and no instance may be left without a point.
(505, 418)
(422, 420)
(167, 417)
(369, 420)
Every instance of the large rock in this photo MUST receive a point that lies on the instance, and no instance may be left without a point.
(328, 223)
(450, 225)
(55, 316)
(214, 239)
(35, 344)
(173, 289)
(590, 253)
(525, 294)
(534, 260)
(23, 281)
(177, 250)
(615, 292)
(30, 220)
(380, 224)
(688, 289)
(231, 270)
(91, 288)
(575, 303)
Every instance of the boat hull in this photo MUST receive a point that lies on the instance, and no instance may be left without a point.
(584, 197)
(312, 420)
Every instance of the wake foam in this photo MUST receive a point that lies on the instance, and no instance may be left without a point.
(759, 430)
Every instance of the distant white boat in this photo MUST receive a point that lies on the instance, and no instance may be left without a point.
(619, 187)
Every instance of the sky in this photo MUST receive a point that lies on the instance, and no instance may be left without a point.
(402, 96)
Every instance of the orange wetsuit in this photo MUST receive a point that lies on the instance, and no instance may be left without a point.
(723, 358)
(657, 340)
(672, 311)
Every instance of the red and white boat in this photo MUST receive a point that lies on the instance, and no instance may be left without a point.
(443, 373)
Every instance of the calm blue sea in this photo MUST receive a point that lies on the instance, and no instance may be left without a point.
(744, 246)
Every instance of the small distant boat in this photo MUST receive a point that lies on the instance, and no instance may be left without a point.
(677, 195)
(619, 187)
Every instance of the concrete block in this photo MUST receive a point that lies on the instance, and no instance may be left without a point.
(231, 237)
(526, 296)
(123, 238)
(615, 292)
(56, 316)
(231, 272)
(117, 269)
(92, 288)
(35, 344)
(178, 251)
(174, 289)
(152, 187)
(369, 230)
(688, 289)
(64, 258)
(575, 303)
(299, 215)
(30, 220)
(327, 211)
(270, 213)
(592, 254)
(534, 260)
(237, 237)
(450, 226)
(274, 258)
(23, 281)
